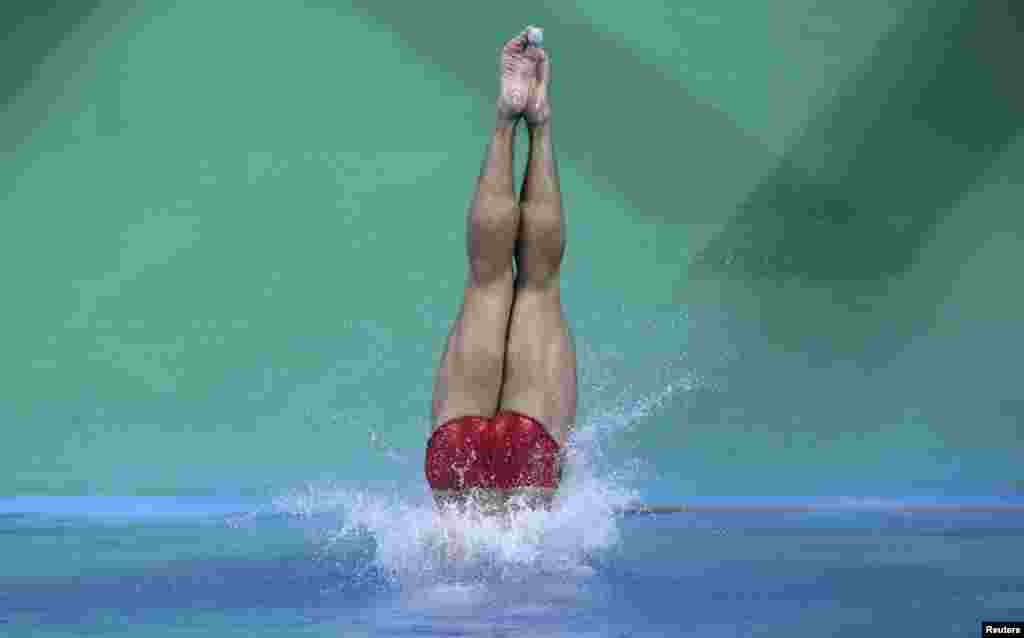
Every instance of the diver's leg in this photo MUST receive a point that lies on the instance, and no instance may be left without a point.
(540, 360)
(469, 376)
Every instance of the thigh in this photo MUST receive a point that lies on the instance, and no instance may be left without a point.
(540, 361)
(469, 376)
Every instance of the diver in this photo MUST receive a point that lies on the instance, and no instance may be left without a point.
(504, 398)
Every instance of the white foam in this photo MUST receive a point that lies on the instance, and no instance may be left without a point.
(413, 543)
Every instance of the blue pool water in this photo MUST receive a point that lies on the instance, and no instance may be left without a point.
(323, 561)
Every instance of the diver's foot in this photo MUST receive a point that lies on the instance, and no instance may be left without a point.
(538, 106)
(520, 63)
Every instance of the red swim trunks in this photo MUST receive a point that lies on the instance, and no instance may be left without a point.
(507, 451)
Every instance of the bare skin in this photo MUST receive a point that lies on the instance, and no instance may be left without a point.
(510, 347)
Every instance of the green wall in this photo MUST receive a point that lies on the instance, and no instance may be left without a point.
(233, 238)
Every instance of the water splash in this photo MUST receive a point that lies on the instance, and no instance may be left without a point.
(401, 536)
(407, 540)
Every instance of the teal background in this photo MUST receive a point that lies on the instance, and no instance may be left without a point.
(233, 238)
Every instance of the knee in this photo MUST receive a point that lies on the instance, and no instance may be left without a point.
(491, 280)
(539, 263)
(490, 274)
(490, 244)
(541, 246)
